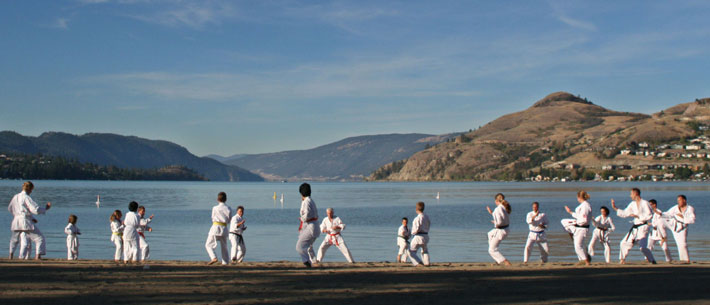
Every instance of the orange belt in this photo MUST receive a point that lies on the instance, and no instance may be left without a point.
(300, 226)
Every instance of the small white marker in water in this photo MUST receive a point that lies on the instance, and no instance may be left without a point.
(437, 195)
(98, 200)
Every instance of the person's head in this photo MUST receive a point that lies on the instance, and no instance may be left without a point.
(133, 206)
(499, 197)
(240, 210)
(222, 197)
(116, 215)
(635, 193)
(405, 220)
(141, 211)
(28, 187)
(506, 205)
(605, 211)
(682, 201)
(653, 203)
(329, 212)
(420, 207)
(72, 219)
(582, 196)
(305, 190)
(535, 206)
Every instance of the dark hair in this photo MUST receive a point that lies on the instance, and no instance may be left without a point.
(141, 208)
(405, 218)
(683, 196)
(222, 197)
(240, 208)
(115, 216)
(420, 206)
(133, 206)
(499, 196)
(305, 189)
(653, 201)
(28, 186)
(605, 209)
(637, 191)
(507, 206)
(72, 218)
(536, 203)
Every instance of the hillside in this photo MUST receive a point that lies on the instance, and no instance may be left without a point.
(348, 159)
(559, 127)
(120, 151)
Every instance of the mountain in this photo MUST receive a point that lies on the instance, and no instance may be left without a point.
(224, 159)
(348, 159)
(560, 127)
(121, 151)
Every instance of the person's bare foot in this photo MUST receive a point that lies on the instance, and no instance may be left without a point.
(507, 263)
(212, 262)
(622, 262)
(11, 255)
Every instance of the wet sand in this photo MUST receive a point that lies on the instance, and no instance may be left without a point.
(104, 282)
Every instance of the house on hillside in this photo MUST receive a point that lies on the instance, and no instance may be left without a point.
(692, 147)
(643, 145)
(625, 152)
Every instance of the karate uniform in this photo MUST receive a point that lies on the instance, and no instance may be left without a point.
(239, 248)
(537, 225)
(659, 235)
(131, 243)
(420, 231)
(308, 230)
(639, 230)
(579, 227)
(403, 242)
(501, 222)
(117, 238)
(72, 241)
(603, 226)
(25, 246)
(143, 244)
(22, 207)
(221, 214)
(333, 238)
(679, 227)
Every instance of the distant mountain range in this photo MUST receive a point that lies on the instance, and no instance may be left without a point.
(121, 151)
(348, 159)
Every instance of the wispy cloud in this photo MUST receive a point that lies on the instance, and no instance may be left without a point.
(61, 23)
(577, 23)
(192, 14)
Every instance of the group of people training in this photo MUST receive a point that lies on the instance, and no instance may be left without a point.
(128, 234)
(646, 218)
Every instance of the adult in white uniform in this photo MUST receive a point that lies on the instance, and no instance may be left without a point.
(640, 211)
(308, 229)
(131, 241)
(117, 234)
(144, 227)
(26, 244)
(221, 214)
(333, 226)
(22, 207)
(659, 234)
(236, 228)
(602, 227)
(403, 241)
(537, 223)
(420, 231)
(679, 218)
(578, 226)
(501, 222)
(72, 240)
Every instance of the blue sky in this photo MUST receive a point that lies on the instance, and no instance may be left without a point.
(232, 77)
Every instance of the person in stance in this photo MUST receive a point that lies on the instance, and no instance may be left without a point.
(22, 207)
(420, 239)
(680, 217)
(640, 211)
(501, 222)
(537, 223)
(221, 214)
(307, 230)
(131, 241)
(236, 229)
(72, 240)
(333, 226)
(578, 226)
(403, 241)
(602, 227)
(659, 234)
(117, 234)
(144, 247)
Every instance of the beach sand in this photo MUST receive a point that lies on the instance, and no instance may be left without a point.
(104, 282)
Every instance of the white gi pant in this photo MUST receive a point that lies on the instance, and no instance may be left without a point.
(131, 249)
(306, 237)
(239, 249)
(403, 249)
(419, 241)
(539, 238)
(72, 247)
(35, 235)
(578, 235)
(118, 242)
(681, 242)
(217, 234)
(603, 238)
(144, 248)
(334, 240)
(656, 237)
(640, 235)
(25, 246)
(495, 236)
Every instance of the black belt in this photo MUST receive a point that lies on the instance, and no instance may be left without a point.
(235, 233)
(422, 233)
(682, 226)
(602, 229)
(502, 227)
(634, 227)
(582, 226)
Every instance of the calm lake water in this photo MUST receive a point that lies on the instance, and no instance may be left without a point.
(371, 211)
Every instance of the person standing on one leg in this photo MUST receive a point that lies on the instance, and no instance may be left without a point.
(236, 228)
(603, 226)
(333, 226)
(537, 223)
(659, 233)
(501, 222)
(131, 243)
(72, 239)
(420, 231)
(403, 241)
(640, 211)
(680, 217)
(221, 214)
(117, 234)
(578, 226)
(307, 230)
(144, 247)
(22, 207)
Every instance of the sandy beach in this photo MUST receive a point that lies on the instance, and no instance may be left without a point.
(95, 281)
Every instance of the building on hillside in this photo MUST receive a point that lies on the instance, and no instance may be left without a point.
(692, 147)
(643, 145)
(625, 152)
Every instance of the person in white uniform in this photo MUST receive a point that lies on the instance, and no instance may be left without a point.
(131, 242)
(333, 226)
(537, 223)
(72, 239)
(117, 234)
(22, 207)
(659, 234)
(26, 244)
(236, 228)
(501, 222)
(679, 218)
(420, 239)
(578, 226)
(603, 225)
(640, 211)
(403, 241)
(308, 229)
(144, 227)
(221, 214)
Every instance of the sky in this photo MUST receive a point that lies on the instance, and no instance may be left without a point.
(230, 77)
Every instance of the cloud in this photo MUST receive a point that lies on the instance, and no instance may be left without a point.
(561, 14)
(577, 23)
(192, 14)
(61, 23)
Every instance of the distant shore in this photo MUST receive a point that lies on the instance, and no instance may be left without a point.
(101, 281)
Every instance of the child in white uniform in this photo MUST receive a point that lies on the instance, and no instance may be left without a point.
(72, 240)
(403, 241)
(117, 234)
(143, 244)
(659, 234)
(237, 226)
(603, 226)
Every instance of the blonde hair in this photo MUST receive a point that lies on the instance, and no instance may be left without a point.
(507, 206)
(28, 186)
(583, 194)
